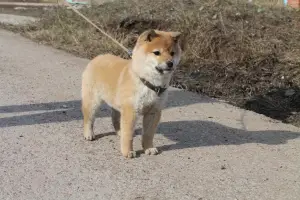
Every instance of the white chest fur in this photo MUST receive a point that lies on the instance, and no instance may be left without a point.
(147, 97)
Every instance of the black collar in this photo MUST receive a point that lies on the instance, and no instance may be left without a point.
(157, 89)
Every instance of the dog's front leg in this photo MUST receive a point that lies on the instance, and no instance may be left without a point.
(128, 118)
(150, 123)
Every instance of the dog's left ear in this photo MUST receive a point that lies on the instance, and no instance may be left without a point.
(175, 36)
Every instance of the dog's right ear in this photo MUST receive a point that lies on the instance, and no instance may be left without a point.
(149, 35)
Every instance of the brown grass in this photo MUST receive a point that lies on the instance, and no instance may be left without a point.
(234, 51)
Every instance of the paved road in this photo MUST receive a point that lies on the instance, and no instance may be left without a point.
(211, 150)
(15, 19)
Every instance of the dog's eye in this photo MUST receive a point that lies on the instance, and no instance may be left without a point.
(172, 53)
(157, 53)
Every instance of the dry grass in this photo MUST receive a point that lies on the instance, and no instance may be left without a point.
(235, 51)
(268, 2)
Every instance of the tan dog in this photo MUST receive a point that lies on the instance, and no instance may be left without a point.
(132, 87)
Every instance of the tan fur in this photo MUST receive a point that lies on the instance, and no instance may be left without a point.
(117, 82)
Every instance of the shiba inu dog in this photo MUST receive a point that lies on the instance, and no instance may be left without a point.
(132, 87)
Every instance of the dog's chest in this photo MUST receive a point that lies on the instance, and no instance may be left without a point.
(148, 98)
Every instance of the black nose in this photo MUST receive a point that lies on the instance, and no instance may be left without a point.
(170, 64)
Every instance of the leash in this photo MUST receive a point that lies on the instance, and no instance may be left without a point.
(129, 52)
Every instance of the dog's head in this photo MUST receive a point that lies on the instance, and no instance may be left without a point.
(156, 53)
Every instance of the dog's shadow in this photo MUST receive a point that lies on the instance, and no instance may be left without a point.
(191, 134)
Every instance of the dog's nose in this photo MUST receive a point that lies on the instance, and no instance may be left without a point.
(170, 64)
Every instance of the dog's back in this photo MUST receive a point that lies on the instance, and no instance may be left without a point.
(102, 76)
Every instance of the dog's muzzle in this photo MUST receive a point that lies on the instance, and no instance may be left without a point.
(169, 67)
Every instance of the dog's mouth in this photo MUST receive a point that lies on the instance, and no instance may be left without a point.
(162, 70)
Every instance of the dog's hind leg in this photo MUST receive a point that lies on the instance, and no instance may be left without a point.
(90, 105)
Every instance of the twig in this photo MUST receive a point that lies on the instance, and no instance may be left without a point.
(222, 23)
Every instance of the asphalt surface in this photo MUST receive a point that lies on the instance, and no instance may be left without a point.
(15, 19)
(210, 150)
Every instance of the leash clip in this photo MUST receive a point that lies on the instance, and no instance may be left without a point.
(129, 53)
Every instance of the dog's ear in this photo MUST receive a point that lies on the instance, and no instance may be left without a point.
(175, 36)
(149, 35)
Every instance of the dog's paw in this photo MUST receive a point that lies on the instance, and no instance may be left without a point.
(131, 154)
(89, 137)
(151, 151)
